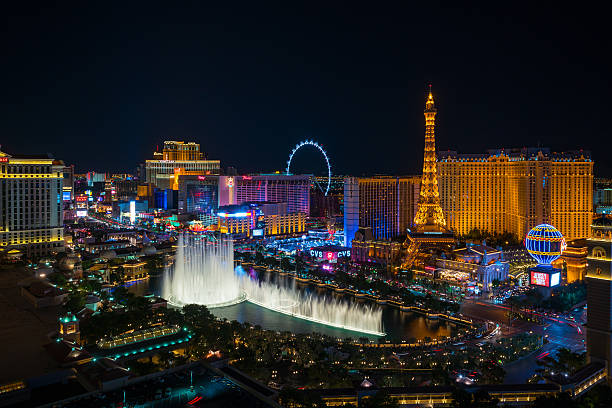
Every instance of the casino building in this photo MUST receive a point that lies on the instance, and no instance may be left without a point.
(31, 207)
(477, 263)
(259, 219)
(514, 190)
(599, 292)
(177, 157)
(291, 189)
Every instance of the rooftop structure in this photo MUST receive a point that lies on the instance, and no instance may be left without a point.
(180, 158)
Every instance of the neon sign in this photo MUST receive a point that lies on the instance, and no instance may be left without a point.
(540, 279)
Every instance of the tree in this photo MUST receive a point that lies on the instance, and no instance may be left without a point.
(259, 258)
(75, 302)
(120, 293)
(285, 264)
(478, 399)
(381, 399)
(290, 397)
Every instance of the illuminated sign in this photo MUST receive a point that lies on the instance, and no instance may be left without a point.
(230, 182)
(66, 196)
(258, 232)
(4, 159)
(330, 255)
(132, 211)
(81, 213)
(81, 198)
(234, 215)
(555, 278)
(201, 178)
(539, 279)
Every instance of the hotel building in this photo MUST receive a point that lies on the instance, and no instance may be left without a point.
(181, 157)
(385, 204)
(516, 189)
(259, 219)
(599, 292)
(280, 188)
(31, 207)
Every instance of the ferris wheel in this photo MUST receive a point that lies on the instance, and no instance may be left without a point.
(323, 152)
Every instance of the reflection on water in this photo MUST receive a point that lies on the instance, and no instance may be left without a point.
(397, 324)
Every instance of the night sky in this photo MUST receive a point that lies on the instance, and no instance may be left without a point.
(100, 88)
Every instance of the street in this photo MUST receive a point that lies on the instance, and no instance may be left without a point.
(558, 331)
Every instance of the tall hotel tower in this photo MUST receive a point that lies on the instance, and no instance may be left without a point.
(514, 190)
(31, 210)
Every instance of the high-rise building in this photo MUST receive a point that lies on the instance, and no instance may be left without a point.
(602, 196)
(599, 292)
(177, 157)
(293, 190)
(260, 219)
(31, 209)
(383, 203)
(513, 190)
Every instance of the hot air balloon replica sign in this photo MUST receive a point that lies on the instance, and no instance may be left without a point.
(545, 244)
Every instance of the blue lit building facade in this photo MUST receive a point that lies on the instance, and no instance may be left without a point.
(385, 204)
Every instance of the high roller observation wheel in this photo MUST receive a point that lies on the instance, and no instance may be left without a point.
(318, 146)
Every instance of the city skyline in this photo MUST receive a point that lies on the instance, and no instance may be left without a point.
(218, 75)
(308, 205)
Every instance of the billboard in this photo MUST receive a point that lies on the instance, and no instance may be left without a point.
(547, 279)
(540, 279)
(81, 213)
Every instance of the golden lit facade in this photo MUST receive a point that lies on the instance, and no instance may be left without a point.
(31, 207)
(514, 190)
(181, 158)
(181, 151)
(429, 216)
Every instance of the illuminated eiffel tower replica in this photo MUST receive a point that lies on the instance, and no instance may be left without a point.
(429, 231)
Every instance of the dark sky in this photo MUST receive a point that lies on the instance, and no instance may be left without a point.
(102, 87)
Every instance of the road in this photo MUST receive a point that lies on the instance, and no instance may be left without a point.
(560, 333)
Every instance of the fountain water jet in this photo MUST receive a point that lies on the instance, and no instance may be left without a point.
(328, 310)
(203, 273)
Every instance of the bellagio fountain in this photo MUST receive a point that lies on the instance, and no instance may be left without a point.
(203, 273)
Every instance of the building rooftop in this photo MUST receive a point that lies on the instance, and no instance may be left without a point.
(602, 222)
(516, 154)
